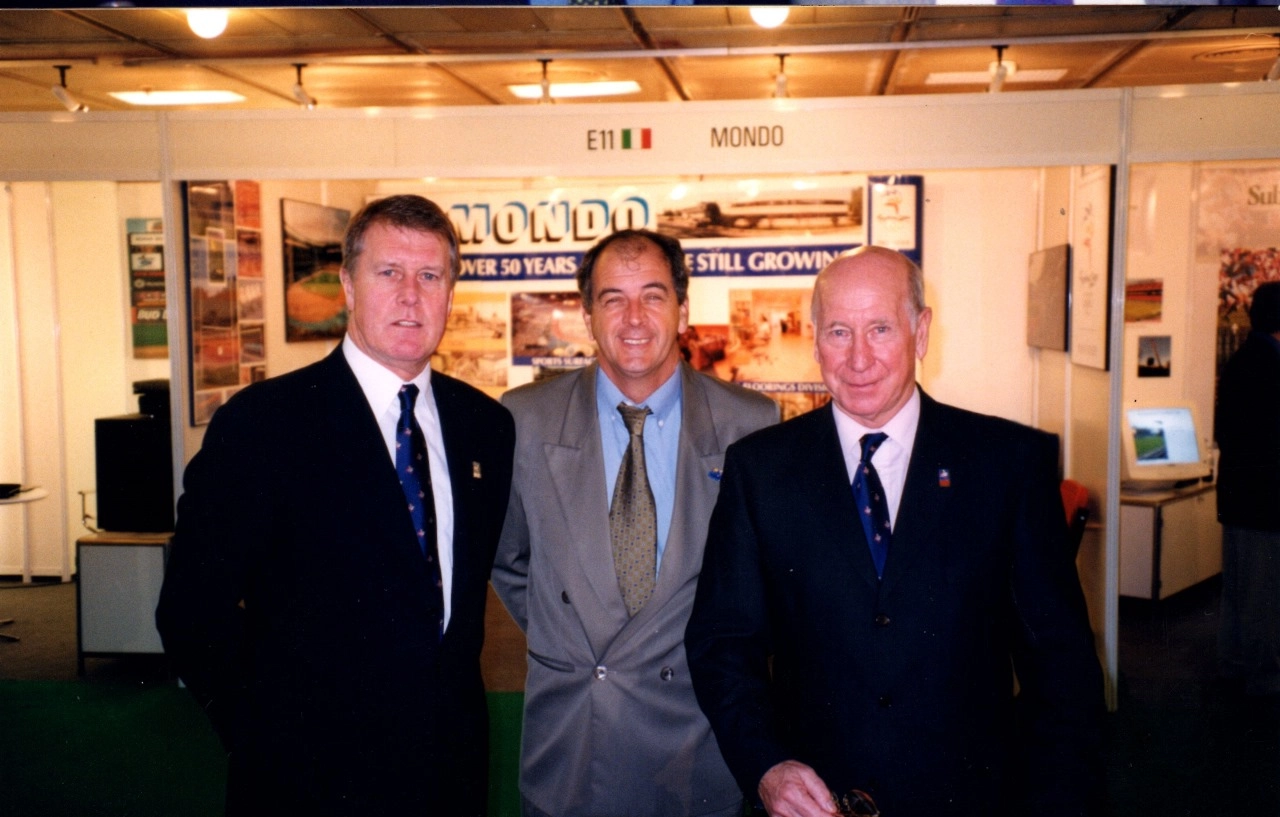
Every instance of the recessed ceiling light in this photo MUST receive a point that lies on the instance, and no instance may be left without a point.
(207, 23)
(177, 97)
(769, 16)
(574, 90)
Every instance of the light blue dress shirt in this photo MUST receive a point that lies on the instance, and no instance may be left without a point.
(661, 444)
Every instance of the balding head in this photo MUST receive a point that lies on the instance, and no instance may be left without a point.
(878, 257)
(870, 327)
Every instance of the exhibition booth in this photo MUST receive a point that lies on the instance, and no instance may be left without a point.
(1078, 250)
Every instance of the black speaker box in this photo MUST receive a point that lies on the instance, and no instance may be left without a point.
(135, 473)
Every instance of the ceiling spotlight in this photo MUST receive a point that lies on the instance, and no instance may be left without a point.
(207, 23)
(1000, 70)
(769, 16)
(545, 98)
(780, 81)
(63, 95)
(305, 99)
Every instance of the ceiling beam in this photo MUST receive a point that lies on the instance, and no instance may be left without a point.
(718, 51)
(664, 63)
(1125, 55)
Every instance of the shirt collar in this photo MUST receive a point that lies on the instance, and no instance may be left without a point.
(664, 401)
(901, 427)
(380, 384)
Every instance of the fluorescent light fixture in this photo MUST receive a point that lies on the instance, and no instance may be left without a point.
(769, 16)
(207, 23)
(577, 90)
(177, 97)
(1015, 74)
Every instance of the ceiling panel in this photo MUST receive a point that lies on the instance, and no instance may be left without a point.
(406, 56)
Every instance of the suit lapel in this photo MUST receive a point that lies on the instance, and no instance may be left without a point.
(818, 463)
(576, 465)
(457, 436)
(925, 496)
(353, 431)
(699, 453)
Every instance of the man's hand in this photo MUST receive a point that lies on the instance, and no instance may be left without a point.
(792, 789)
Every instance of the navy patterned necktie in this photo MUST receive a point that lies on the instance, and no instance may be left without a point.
(415, 479)
(873, 508)
(633, 518)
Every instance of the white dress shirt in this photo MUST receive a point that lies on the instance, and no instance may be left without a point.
(893, 455)
(381, 388)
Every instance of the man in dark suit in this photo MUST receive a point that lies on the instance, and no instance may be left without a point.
(1248, 434)
(611, 726)
(325, 595)
(833, 655)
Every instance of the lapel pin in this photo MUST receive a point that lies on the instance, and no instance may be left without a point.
(475, 470)
(944, 478)
(716, 473)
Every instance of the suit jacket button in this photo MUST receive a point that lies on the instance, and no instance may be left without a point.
(564, 596)
(667, 674)
(601, 672)
(882, 620)
(885, 702)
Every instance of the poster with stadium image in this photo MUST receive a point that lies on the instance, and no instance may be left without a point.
(311, 236)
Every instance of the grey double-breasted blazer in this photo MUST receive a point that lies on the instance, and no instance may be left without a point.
(611, 724)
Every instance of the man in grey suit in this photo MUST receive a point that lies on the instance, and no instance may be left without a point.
(611, 725)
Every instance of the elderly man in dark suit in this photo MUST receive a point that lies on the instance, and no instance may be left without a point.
(1248, 433)
(611, 726)
(876, 573)
(325, 596)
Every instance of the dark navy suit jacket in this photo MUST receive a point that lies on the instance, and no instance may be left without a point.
(294, 605)
(1248, 434)
(902, 687)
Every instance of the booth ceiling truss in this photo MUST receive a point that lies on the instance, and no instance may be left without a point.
(367, 57)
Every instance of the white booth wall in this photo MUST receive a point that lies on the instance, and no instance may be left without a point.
(67, 355)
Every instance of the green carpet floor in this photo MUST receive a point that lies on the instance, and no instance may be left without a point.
(70, 748)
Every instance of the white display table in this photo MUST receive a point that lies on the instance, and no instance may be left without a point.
(117, 588)
(1169, 540)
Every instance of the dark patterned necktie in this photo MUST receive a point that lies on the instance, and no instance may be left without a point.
(873, 508)
(415, 479)
(633, 518)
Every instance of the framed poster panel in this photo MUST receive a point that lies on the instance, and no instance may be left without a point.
(225, 310)
(1091, 265)
(315, 307)
(1047, 296)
